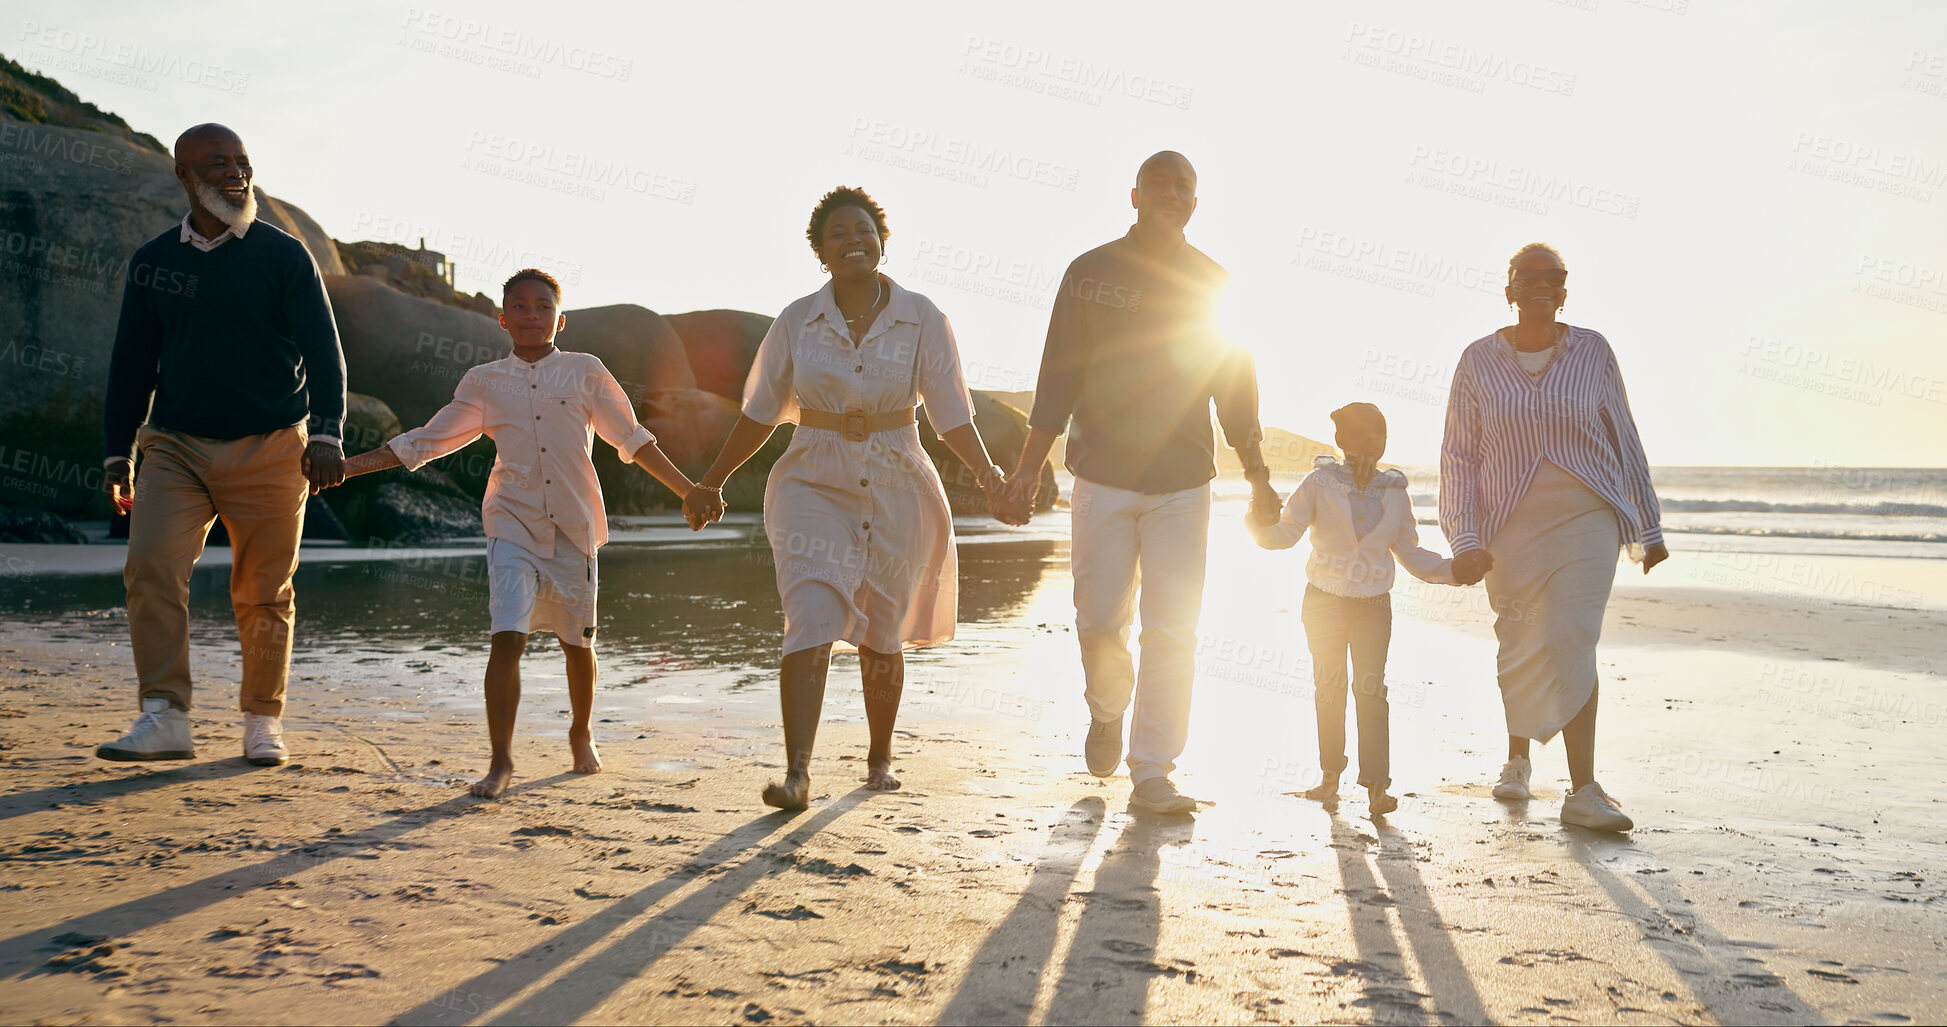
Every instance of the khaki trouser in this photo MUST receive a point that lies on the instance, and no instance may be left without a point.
(257, 486)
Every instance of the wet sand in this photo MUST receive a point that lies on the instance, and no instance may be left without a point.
(1777, 746)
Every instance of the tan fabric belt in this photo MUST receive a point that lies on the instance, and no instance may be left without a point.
(856, 424)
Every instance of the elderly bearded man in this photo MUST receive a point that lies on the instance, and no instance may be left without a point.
(227, 348)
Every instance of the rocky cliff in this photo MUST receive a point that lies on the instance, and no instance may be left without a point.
(80, 190)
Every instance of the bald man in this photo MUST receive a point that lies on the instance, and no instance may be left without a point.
(228, 378)
(1133, 362)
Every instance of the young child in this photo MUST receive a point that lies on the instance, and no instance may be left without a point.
(1361, 520)
(543, 507)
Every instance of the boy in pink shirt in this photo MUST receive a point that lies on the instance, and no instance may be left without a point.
(543, 509)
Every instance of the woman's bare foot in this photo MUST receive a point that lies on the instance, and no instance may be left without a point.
(878, 777)
(499, 772)
(1326, 791)
(1379, 802)
(587, 759)
(794, 792)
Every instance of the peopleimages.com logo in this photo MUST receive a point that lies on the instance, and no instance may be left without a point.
(1065, 76)
(893, 143)
(426, 29)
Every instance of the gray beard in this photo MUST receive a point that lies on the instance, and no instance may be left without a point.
(237, 215)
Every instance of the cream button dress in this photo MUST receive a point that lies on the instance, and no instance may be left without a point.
(860, 531)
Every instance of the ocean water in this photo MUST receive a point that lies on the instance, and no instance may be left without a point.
(1858, 511)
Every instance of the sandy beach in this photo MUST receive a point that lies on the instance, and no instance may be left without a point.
(1774, 732)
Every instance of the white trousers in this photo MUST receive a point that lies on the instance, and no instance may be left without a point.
(1129, 551)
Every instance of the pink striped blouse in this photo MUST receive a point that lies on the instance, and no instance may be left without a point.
(1501, 424)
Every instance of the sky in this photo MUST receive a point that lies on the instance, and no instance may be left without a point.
(1751, 197)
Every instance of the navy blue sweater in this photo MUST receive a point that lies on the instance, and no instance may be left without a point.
(234, 342)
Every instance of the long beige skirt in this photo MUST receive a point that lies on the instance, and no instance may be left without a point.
(1554, 565)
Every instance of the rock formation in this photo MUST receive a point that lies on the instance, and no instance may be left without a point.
(80, 191)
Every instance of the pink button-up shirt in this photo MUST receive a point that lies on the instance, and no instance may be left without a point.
(543, 418)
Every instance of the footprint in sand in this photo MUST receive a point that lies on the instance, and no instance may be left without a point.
(894, 966)
(824, 867)
(798, 912)
(661, 807)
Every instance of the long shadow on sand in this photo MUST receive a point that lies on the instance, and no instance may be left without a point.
(1006, 973)
(1726, 976)
(1106, 972)
(1389, 991)
(1433, 949)
(27, 949)
(574, 994)
(90, 792)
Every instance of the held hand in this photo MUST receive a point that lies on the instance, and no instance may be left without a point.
(702, 506)
(117, 481)
(324, 466)
(1654, 555)
(999, 493)
(1266, 507)
(1005, 502)
(1471, 566)
(1024, 488)
(1010, 500)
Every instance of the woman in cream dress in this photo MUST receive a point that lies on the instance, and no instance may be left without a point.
(857, 518)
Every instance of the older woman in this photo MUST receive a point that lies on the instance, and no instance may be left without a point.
(857, 517)
(1542, 479)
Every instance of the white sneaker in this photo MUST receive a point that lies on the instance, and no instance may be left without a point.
(160, 733)
(263, 740)
(1513, 784)
(1591, 807)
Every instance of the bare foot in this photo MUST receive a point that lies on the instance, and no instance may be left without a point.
(587, 760)
(1379, 803)
(794, 792)
(1326, 791)
(498, 774)
(878, 778)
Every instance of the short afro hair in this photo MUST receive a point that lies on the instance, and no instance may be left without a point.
(845, 196)
(531, 274)
(1533, 247)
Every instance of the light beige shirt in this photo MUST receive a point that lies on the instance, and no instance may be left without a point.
(543, 418)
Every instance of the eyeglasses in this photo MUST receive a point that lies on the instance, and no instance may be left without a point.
(1553, 276)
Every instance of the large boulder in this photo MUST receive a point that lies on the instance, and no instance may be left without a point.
(690, 427)
(27, 525)
(288, 217)
(396, 505)
(74, 205)
(407, 351)
(640, 348)
(394, 509)
(721, 346)
(369, 423)
(1004, 430)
